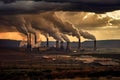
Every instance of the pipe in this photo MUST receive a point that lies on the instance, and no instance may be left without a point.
(95, 45)
(79, 43)
(35, 39)
(47, 43)
(29, 47)
(29, 39)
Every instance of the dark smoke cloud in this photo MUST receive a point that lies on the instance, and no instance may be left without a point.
(34, 6)
(65, 27)
(52, 24)
(14, 20)
(4, 28)
(70, 1)
(21, 7)
(87, 1)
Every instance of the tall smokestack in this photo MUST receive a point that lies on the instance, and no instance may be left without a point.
(57, 44)
(35, 39)
(94, 45)
(79, 43)
(68, 46)
(47, 43)
(61, 45)
(29, 47)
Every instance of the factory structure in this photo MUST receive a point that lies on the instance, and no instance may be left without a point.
(59, 45)
(47, 23)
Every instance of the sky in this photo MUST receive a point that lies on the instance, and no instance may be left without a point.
(32, 6)
(101, 20)
(103, 26)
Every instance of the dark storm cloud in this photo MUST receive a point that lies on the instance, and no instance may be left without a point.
(34, 6)
(71, 1)
(19, 7)
(87, 1)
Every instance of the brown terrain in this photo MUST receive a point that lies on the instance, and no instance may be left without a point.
(51, 64)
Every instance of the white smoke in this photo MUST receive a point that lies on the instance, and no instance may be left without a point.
(87, 35)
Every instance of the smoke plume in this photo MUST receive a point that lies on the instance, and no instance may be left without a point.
(14, 20)
(64, 27)
(39, 23)
(87, 35)
(46, 23)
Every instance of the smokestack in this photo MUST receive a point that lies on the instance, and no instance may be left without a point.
(47, 43)
(57, 44)
(29, 47)
(94, 45)
(29, 39)
(68, 46)
(35, 39)
(61, 45)
(79, 43)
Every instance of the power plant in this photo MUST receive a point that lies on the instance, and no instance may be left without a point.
(51, 25)
(53, 39)
(59, 45)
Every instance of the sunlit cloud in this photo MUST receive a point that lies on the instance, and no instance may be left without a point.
(96, 24)
(114, 14)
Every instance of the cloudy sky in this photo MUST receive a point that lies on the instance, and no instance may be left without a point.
(102, 19)
(103, 26)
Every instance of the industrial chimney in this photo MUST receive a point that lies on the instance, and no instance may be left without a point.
(47, 43)
(79, 43)
(94, 45)
(68, 46)
(35, 39)
(57, 44)
(29, 46)
(61, 45)
(36, 48)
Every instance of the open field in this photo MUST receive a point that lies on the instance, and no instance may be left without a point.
(56, 64)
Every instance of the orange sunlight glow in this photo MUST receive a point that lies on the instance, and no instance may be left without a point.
(12, 36)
